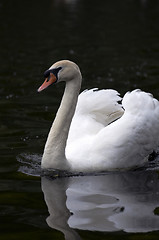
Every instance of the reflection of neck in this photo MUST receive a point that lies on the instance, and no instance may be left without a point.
(54, 152)
(55, 198)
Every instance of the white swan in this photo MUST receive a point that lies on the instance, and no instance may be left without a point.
(86, 137)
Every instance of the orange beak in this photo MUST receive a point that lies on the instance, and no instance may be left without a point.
(48, 81)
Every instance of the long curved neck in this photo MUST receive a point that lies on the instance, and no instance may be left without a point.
(54, 152)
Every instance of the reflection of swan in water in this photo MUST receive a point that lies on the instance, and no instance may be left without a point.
(113, 202)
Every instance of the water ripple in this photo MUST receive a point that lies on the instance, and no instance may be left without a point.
(30, 164)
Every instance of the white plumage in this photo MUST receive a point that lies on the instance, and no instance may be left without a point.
(102, 136)
(124, 143)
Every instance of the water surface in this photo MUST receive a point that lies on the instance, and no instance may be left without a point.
(116, 45)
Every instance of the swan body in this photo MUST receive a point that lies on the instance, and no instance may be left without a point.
(93, 132)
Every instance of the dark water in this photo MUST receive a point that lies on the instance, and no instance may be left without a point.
(116, 45)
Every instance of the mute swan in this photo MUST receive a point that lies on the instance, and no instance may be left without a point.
(86, 137)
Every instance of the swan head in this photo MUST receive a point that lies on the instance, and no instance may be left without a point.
(60, 71)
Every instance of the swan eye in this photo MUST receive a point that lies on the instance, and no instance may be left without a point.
(55, 71)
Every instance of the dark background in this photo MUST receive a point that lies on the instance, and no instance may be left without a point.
(116, 45)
